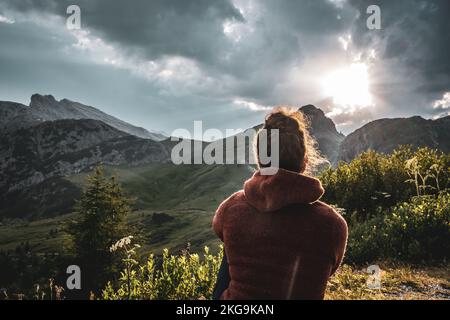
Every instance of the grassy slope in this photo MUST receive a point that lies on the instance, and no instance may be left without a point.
(189, 194)
(37, 233)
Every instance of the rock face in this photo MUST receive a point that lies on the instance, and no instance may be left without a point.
(29, 156)
(15, 115)
(385, 135)
(324, 131)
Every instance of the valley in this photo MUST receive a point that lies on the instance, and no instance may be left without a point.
(173, 204)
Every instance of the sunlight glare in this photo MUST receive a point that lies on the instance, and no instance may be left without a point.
(349, 86)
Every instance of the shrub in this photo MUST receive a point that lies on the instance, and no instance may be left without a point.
(374, 180)
(415, 231)
(178, 277)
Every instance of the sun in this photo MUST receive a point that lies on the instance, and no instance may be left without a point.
(349, 86)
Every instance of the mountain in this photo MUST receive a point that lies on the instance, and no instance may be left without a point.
(44, 145)
(33, 156)
(47, 108)
(385, 135)
(15, 115)
(324, 131)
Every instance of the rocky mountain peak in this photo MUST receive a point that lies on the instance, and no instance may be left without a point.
(311, 109)
(324, 131)
(38, 100)
(318, 120)
(47, 108)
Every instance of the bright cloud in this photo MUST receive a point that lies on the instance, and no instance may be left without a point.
(7, 20)
(443, 103)
(251, 105)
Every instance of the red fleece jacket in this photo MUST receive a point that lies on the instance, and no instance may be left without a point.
(281, 242)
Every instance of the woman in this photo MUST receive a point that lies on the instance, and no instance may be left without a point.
(280, 241)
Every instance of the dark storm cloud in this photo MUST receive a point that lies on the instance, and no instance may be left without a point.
(154, 28)
(285, 31)
(310, 17)
(415, 37)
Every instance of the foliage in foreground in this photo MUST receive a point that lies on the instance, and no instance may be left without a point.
(399, 209)
(189, 276)
(375, 181)
(417, 231)
(397, 206)
(177, 277)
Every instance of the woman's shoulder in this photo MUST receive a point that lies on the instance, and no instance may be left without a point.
(236, 198)
(329, 213)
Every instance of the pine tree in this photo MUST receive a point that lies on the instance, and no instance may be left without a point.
(102, 211)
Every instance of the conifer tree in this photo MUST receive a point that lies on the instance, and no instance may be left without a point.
(102, 219)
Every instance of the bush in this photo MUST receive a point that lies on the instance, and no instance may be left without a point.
(182, 277)
(373, 180)
(416, 231)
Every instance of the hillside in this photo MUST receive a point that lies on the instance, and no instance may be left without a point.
(385, 135)
(174, 204)
(55, 149)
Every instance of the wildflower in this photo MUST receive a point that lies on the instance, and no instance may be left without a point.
(120, 243)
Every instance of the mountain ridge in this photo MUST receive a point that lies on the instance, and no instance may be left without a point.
(47, 108)
(384, 135)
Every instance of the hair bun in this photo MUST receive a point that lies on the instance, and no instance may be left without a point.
(296, 148)
(282, 122)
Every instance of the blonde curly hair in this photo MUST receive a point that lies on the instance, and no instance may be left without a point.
(297, 149)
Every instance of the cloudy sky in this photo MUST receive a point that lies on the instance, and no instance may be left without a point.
(162, 64)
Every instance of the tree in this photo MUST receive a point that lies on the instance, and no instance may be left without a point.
(102, 219)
